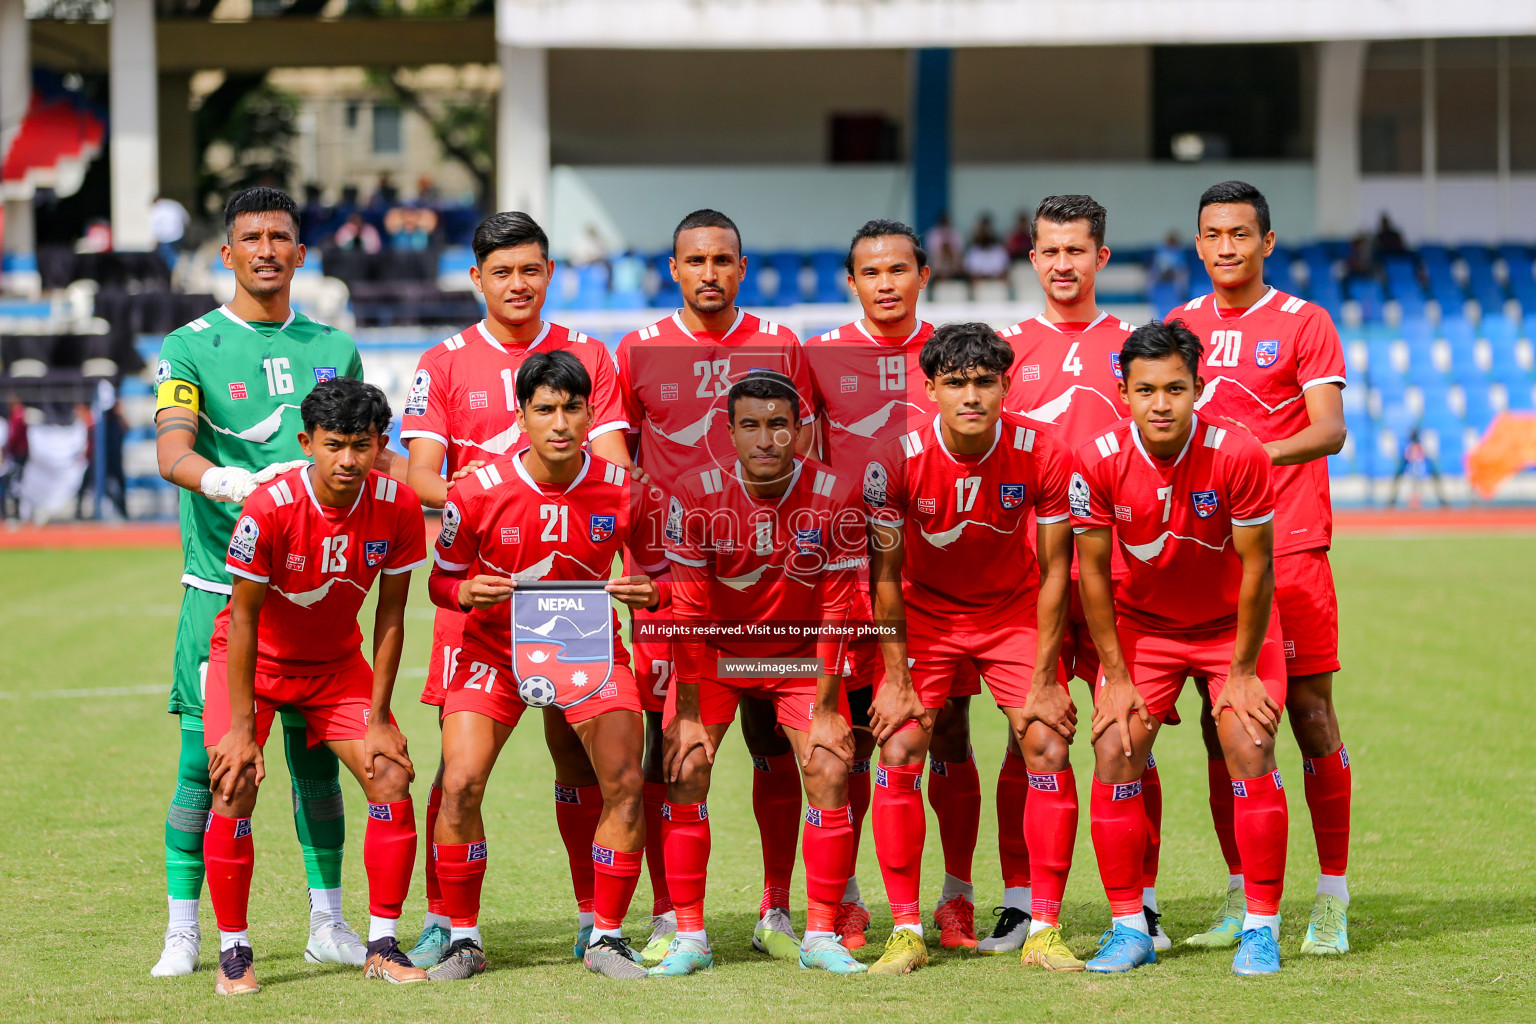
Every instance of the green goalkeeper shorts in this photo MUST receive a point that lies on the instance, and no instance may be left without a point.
(189, 673)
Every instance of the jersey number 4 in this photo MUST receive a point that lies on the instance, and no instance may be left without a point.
(1072, 364)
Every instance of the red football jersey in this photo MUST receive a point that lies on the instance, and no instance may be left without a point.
(868, 390)
(739, 559)
(969, 558)
(499, 521)
(675, 384)
(464, 394)
(318, 564)
(1257, 366)
(1070, 380)
(1174, 518)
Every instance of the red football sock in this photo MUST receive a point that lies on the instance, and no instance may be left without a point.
(1220, 784)
(1050, 826)
(389, 855)
(1261, 823)
(461, 873)
(429, 862)
(616, 872)
(954, 793)
(577, 810)
(229, 856)
(828, 863)
(1327, 784)
(655, 855)
(1117, 819)
(1152, 800)
(685, 831)
(1012, 844)
(776, 803)
(858, 801)
(901, 828)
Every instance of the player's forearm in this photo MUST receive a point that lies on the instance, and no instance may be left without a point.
(837, 593)
(1313, 442)
(1051, 620)
(429, 486)
(610, 446)
(1254, 600)
(388, 643)
(444, 588)
(241, 670)
(1098, 600)
(829, 689)
(175, 434)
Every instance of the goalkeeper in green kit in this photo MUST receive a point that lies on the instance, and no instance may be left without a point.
(229, 385)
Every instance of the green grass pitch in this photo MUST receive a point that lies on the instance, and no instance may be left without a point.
(1437, 641)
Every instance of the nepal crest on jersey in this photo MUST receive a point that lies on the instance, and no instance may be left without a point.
(1114, 366)
(601, 528)
(374, 552)
(1205, 503)
(562, 645)
(807, 541)
(1011, 495)
(1266, 352)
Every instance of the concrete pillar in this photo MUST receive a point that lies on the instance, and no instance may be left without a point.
(930, 136)
(1336, 148)
(178, 147)
(18, 261)
(134, 140)
(522, 132)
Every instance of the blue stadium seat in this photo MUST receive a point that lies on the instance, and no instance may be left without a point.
(751, 293)
(1367, 292)
(1277, 270)
(1521, 271)
(1164, 298)
(1199, 280)
(1445, 433)
(1442, 282)
(787, 266)
(1478, 408)
(1481, 282)
(1519, 397)
(831, 278)
(591, 287)
(455, 261)
(1362, 439)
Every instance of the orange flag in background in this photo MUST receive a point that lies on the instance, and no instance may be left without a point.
(1508, 447)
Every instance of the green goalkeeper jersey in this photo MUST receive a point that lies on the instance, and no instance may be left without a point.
(244, 381)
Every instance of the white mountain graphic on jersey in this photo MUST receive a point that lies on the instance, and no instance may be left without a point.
(306, 598)
(694, 432)
(1210, 392)
(747, 579)
(549, 626)
(260, 433)
(867, 426)
(947, 537)
(498, 445)
(1152, 548)
(1058, 405)
(540, 570)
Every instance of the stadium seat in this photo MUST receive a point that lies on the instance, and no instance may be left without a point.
(453, 266)
(1164, 297)
(1366, 291)
(831, 278)
(591, 287)
(1477, 405)
(1481, 281)
(1278, 270)
(751, 293)
(787, 266)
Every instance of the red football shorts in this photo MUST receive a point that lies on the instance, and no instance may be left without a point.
(950, 661)
(792, 699)
(335, 706)
(491, 690)
(1309, 612)
(447, 639)
(864, 665)
(653, 665)
(1159, 664)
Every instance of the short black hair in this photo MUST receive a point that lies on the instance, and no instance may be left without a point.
(1068, 208)
(1158, 339)
(559, 371)
(506, 230)
(260, 199)
(881, 228)
(706, 219)
(965, 348)
(767, 385)
(346, 406)
(1236, 192)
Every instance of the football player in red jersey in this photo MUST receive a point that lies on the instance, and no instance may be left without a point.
(1274, 363)
(869, 390)
(951, 502)
(552, 512)
(778, 539)
(306, 551)
(675, 375)
(1068, 375)
(461, 413)
(1192, 503)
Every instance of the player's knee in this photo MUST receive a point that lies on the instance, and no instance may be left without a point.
(1045, 750)
(463, 789)
(909, 746)
(390, 783)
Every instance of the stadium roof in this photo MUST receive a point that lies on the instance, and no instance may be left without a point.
(809, 24)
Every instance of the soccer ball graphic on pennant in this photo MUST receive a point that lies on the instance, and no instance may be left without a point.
(536, 691)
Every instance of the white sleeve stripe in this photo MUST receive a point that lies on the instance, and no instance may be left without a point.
(1260, 521)
(1322, 380)
(604, 428)
(447, 566)
(236, 570)
(406, 435)
(406, 568)
(879, 520)
(660, 566)
(1048, 520)
(695, 562)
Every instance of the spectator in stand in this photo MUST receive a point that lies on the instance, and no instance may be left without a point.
(314, 216)
(357, 233)
(387, 194)
(1388, 239)
(410, 228)
(589, 247)
(1360, 264)
(168, 222)
(1019, 241)
(56, 463)
(986, 259)
(946, 251)
(1168, 268)
(427, 193)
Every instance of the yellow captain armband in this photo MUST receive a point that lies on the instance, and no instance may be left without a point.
(178, 394)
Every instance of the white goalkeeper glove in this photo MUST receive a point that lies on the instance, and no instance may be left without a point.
(231, 483)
